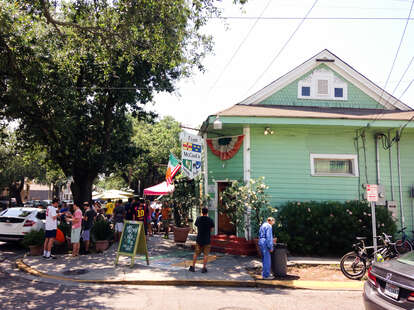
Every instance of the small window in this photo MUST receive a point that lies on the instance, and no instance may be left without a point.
(306, 91)
(323, 87)
(334, 165)
(339, 92)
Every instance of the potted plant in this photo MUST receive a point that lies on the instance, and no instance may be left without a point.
(34, 240)
(239, 198)
(102, 233)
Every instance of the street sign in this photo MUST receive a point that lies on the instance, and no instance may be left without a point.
(372, 192)
(132, 241)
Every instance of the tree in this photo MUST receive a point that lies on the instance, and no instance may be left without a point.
(17, 166)
(71, 72)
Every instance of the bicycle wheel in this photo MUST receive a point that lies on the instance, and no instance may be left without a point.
(352, 266)
(402, 247)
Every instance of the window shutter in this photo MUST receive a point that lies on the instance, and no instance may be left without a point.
(323, 87)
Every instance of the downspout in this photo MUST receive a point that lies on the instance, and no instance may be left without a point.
(399, 179)
(390, 159)
(377, 158)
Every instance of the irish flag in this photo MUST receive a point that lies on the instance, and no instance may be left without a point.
(173, 167)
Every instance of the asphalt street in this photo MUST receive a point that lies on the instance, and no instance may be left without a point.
(18, 291)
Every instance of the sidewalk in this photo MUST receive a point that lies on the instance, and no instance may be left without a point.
(168, 266)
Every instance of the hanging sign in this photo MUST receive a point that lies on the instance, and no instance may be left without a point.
(191, 150)
(132, 241)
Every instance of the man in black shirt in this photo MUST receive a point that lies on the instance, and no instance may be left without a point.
(87, 223)
(204, 224)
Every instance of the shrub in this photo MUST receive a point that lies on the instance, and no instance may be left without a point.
(34, 237)
(328, 228)
(101, 230)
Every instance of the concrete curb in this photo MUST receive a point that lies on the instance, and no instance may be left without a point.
(293, 284)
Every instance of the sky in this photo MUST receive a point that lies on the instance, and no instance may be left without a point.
(250, 53)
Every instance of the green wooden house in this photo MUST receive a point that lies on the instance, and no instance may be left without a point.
(320, 132)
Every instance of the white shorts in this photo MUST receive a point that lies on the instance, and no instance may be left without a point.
(119, 227)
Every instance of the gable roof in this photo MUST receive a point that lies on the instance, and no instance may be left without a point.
(336, 64)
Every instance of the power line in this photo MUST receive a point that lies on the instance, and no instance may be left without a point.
(238, 48)
(284, 46)
(409, 65)
(311, 18)
(393, 63)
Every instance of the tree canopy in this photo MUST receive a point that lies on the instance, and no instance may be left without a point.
(71, 72)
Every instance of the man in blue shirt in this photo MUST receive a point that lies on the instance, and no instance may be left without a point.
(266, 245)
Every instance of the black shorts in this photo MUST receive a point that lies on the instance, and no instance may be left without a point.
(50, 233)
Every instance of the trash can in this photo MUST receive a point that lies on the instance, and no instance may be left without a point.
(279, 260)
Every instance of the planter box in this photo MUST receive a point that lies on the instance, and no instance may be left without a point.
(36, 250)
(101, 245)
(181, 234)
(233, 245)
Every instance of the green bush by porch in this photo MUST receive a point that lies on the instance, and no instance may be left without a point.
(328, 228)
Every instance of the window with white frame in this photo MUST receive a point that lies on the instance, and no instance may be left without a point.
(322, 84)
(334, 165)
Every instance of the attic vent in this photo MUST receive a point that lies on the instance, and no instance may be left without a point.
(325, 60)
(322, 87)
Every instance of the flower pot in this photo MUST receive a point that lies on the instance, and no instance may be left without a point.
(101, 245)
(36, 250)
(181, 233)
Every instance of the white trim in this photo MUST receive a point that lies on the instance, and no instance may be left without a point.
(246, 174)
(205, 164)
(352, 157)
(340, 67)
(312, 80)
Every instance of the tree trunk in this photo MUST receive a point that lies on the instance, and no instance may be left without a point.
(81, 188)
(15, 190)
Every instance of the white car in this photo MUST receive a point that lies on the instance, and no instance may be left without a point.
(16, 222)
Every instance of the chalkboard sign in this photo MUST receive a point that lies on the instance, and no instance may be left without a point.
(132, 241)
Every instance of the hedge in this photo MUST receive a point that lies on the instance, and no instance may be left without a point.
(328, 228)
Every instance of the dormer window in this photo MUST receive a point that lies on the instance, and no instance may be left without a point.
(322, 84)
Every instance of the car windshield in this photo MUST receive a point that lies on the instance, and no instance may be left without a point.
(15, 212)
(407, 258)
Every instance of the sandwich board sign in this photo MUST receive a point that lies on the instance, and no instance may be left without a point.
(132, 241)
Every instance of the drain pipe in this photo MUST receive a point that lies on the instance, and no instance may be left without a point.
(377, 159)
(390, 159)
(399, 179)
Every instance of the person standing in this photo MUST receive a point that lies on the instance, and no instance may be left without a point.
(87, 223)
(109, 209)
(266, 245)
(165, 215)
(129, 211)
(51, 228)
(149, 213)
(204, 226)
(119, 216)
(76, 220)
(140, 214)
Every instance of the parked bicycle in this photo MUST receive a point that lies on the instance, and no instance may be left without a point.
(404, 245)
(354, 264)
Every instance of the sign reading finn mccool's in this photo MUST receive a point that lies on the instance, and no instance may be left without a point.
(191, 150)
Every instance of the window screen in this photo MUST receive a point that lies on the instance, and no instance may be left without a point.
(322, 87)
(333, 166)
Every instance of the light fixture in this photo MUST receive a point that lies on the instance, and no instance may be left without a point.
(217, 124)
(268, 131)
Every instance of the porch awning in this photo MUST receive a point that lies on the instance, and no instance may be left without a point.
(159, 189)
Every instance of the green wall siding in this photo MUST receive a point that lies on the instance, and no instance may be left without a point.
(284, 160)
(356, 98)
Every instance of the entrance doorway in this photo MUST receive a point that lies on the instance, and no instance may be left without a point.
(224, 225)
